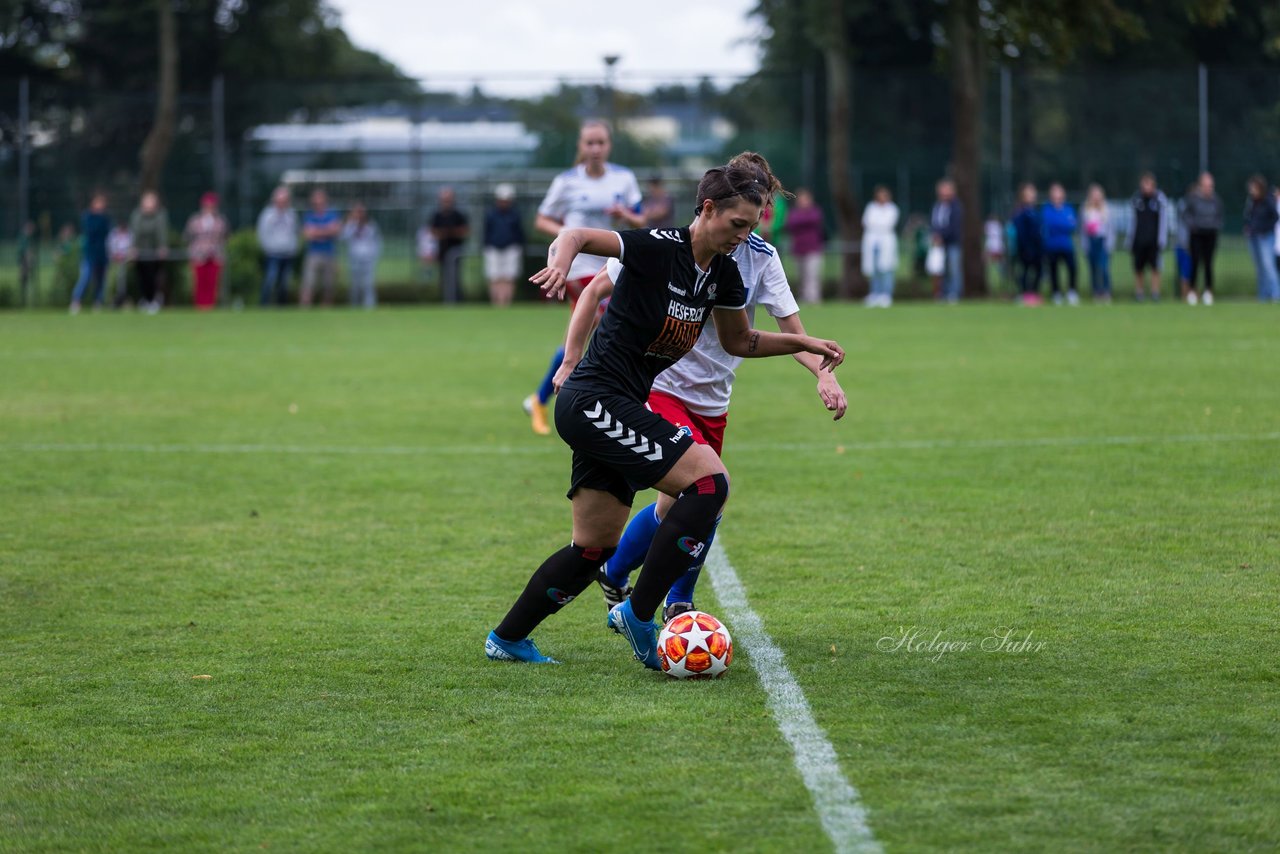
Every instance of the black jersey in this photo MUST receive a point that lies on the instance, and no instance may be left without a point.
(661, 301)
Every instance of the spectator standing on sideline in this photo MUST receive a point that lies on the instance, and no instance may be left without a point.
(1182, 242)
(1204, 222)
(119, 249)
(1148, 234)
(427, 249)
(364, 247)
(804, 225)
(450, 227)
(945, 225)
(1277, 201)
(1260, 221)
(95, 225)
(278, 239)
(658, 207)
(28, 252)
(1058, 220)
(320, 227)
(880, 246)
(1098, 233)
(503, 245)
(150, 226)
(1030, 245)
(993, 248)
(206, 235)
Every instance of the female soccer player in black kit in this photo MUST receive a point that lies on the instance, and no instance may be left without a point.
(671, 279)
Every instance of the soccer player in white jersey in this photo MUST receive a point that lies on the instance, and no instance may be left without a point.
(694, 393)
(593, 194)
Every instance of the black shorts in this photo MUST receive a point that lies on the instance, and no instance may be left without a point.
(1146, 255)
(619, 446)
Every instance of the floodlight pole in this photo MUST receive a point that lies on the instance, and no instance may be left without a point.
(610, 61)
(1006, 138)
(1204, 118)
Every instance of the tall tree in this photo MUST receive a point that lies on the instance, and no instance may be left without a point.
(834, 38)
(155, 149)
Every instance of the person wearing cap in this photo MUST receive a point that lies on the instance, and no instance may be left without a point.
(503, 245)
(206, 237)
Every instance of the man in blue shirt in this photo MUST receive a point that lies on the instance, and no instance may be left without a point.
(320, 228)
(95, 225)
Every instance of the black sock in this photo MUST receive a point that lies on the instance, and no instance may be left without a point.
(556, 583)
(679, 542)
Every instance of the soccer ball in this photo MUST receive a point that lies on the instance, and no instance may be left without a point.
(694, 645)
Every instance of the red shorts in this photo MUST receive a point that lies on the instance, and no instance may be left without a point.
(706, 429)
(574, 288)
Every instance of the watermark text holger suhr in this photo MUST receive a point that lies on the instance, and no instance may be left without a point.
(936, 644)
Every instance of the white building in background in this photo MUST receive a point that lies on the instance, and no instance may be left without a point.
(378, 144)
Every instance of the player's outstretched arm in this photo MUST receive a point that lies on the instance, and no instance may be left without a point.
(739, 339)
(833, 396)
(568, 245)
(581, 324)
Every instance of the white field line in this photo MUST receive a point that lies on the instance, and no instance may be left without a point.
(557, 447)
(838, 805)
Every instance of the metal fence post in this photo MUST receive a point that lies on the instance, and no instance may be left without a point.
(1204, 117)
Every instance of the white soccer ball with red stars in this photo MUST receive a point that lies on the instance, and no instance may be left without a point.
(694, 645)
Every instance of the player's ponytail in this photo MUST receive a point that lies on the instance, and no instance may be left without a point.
(756, 160)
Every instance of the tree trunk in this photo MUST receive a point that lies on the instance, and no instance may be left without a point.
(964, 35)
(155, 149)
(839, 120)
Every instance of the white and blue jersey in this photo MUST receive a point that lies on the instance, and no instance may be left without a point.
(580, 201)
(703, 379)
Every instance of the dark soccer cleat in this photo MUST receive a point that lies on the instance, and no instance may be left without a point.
(613, 595)
(675, 608)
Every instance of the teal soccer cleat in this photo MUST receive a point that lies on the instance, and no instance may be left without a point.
(525, 650)
(642, 635)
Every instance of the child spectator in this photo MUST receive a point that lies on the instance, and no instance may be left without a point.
(1097, 231)
(119, 250)
(364, 246)
(1030, 245)
(1058, 224)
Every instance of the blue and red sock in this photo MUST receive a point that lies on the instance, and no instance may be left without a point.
(634, 546)
(547, 389)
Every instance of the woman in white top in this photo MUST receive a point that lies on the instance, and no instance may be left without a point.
(593, 194)
(880, 247)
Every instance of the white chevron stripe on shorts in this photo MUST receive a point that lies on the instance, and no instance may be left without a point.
(604, 421)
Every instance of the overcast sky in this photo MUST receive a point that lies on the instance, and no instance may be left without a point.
(521, 47)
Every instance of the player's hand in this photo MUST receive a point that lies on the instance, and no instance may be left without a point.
(832, 395)
(832, 353)
(552, 281)
(562, 374)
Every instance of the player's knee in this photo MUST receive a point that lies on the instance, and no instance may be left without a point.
(715, 486)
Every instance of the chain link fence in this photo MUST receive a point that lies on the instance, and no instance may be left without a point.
(59, 143)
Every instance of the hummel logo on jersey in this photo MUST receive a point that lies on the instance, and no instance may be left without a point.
(601, 419)
(681, 433)
(671, 287)
(711, 291)
(665, 234)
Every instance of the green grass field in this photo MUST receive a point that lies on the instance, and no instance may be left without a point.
(325, 512)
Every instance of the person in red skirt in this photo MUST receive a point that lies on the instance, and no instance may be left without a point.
(206, 235)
